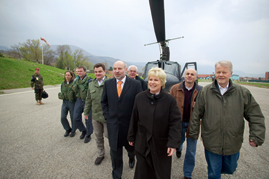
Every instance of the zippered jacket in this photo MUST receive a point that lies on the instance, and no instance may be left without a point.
(222, 118)
(66, 92)
(178, 92)
(80, 87)
(93, 101)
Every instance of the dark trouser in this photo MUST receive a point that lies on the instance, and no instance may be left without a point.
(68, 106)
(38, 94)
(78, 110)
(116, 159)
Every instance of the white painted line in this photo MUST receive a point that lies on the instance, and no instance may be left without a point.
(26, 92)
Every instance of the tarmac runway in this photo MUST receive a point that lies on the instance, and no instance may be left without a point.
(33, 146)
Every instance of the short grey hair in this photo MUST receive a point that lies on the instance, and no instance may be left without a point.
(132, 66)
(225, 63)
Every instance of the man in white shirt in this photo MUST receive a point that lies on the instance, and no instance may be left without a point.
(93, 102)
(221, 108)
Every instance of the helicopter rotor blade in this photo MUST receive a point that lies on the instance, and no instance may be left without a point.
(157, 13)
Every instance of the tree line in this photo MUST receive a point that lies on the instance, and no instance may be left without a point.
(62, 58)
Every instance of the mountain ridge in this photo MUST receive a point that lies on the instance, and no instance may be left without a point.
(202, 69)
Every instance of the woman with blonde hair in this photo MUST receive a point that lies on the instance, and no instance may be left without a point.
(155, 128)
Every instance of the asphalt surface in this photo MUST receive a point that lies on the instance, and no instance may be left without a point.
(33, 146)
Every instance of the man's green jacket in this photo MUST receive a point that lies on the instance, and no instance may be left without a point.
(93, 100)
(222, 118)
(80, 87)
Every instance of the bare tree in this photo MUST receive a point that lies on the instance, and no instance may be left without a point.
(106, 65)
(15, 52)
(49, 55)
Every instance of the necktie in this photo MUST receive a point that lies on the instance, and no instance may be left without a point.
(119, 89)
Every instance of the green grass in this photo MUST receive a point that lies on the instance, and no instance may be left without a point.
(257, 84)
(17, 73)
(204, 80)
(261, 85)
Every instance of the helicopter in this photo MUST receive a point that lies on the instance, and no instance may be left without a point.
(173, 71)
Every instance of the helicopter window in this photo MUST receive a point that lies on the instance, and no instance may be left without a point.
(188, 66)
(148, 67)
(172, 68)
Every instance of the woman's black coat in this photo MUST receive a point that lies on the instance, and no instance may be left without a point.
(155, 125)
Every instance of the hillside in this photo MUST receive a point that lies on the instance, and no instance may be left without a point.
(17, 73)
(100, 59)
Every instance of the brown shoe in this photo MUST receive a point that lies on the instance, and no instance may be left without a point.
(98, 160)
(37, 103)
(41, 102)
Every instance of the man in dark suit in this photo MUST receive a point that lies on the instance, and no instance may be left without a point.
(117, 104)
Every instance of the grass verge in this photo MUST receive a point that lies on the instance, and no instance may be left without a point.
(17, 73)
(260, 85)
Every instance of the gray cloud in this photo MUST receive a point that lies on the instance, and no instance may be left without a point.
(214, 29)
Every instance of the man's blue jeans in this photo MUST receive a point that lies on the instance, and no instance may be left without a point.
(78, 110)
(189, 161)
(220, 164)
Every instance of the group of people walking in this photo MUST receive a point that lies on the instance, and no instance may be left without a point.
(152, 124)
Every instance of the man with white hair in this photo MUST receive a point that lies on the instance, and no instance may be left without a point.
(221, 108)
(132, 73)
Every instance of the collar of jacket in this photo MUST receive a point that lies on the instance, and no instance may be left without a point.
(65, 82)
(182, 86)
(69, 81)
(96, 82)
(81, 81)
(215, 87)
(153, 96)
(138, 78)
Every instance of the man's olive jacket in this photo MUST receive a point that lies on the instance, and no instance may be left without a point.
(93, 101)
(80, 87)
(222, 118)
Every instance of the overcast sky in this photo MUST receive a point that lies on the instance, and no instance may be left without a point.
(213, 30)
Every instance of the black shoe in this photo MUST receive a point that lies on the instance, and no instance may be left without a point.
(83, 134)
(72, 134)
(187, 177)
(87, 139)
(178, 153)
(98, 160)
(131, 162)
(67, 133)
